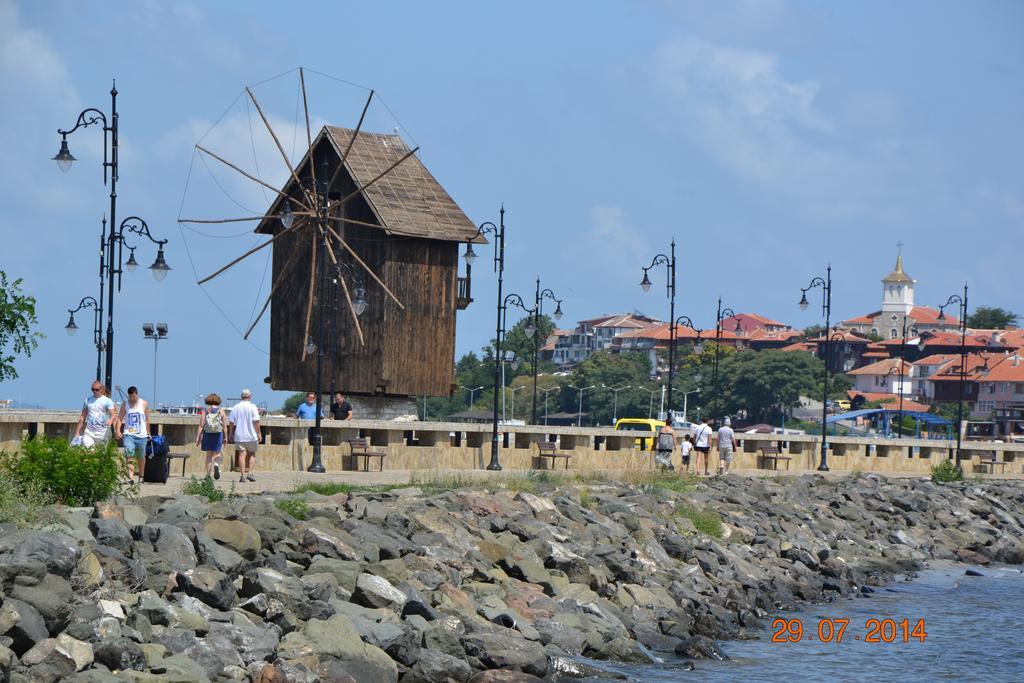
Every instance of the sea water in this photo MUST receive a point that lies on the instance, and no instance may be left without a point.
(974, 628)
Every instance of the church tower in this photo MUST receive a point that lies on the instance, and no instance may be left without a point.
(898, 290)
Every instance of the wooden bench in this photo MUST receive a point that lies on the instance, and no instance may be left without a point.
(774, 455)
(171, 457)
(361, 449)
(987, 461)
(549, 449)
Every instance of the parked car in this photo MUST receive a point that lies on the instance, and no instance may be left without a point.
(646, 430)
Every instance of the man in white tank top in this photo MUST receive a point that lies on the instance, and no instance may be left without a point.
(133, 426)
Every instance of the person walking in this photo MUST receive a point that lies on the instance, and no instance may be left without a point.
(685, 448)
(341, 409)
(665, 445)
(702, 444)
(132, 427)
(210, 435)
(244, 432)
(97, 417)
(726, 446)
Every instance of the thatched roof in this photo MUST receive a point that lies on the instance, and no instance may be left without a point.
(408, 200)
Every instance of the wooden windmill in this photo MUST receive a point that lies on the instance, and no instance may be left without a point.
(365, 265)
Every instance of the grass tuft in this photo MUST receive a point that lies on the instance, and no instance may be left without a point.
(203, 487)
(707, 522)
(295, 507)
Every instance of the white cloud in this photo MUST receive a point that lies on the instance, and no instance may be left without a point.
(619, 240)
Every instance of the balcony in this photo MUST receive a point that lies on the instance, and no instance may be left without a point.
(462, 297)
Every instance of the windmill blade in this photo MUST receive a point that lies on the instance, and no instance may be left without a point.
(266, 304)
(287, 161)
(365, 267)
(241, 220)
(252, 177)
(252, 251)
(344, 287)
(309, 136)
(309, 299)
(352, 141)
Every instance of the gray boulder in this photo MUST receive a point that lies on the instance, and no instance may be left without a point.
(336, 640)
(373, 591)
(500, 651)
(437, 667)
(112, 531)
(57, 551)
(25, 626)
(119, 654)
(52, 597)
(209, 585)
(170, 543)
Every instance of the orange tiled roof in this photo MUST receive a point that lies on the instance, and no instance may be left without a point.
(922, 315)
(882, 367)
(800, 346)
(909, 406)
(1010, 369)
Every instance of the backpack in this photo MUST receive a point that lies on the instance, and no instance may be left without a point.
(666, 441)
(212, 422)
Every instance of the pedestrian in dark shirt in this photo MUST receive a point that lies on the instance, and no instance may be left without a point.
(341, 409)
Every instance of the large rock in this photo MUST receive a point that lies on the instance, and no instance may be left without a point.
(345, 571)
(52, 597)
(25, 626)
(437, 667)
(209, 585)
(57, 551)
(77, 651)
(112, 531)
(288, 590)
(239, 536)
(216, 555)
(499, 651)
(170, 543)
(336, 639)
(119, 654)
(700, 647)
(373, 591)
(253, 642)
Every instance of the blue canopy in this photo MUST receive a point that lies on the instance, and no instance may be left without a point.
(926, 418)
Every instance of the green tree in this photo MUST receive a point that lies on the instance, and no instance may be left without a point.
(766, 384)
(604, 370)
(17, 317)
(812, 332)
(518, 342)
(991, 318)
(292, 403)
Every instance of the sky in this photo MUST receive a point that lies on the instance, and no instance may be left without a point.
(769, 139)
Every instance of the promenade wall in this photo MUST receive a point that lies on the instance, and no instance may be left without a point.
(456, 446)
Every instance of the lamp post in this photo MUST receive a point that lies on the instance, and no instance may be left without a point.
(826, 309)
(686, 397)
(513, 390)
(471, 393)
(487, 227)
(579, 413)
(97, 338)
(615, 401)
(899, 372)
(962, 301)
(86, 118)
(723, 314)
(157, 333)
(546, 392)
(650, 404)
(670, 285)
(698, 347)
(902, 368)
(530, 330)
(538, 303)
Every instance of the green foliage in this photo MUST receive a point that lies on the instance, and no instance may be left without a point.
(24, 505)
(946, 471)
(519, 343)
(17, 317)
(329, 488)
(586, 499)
(659, 482)
(812, 332)
(296, 507)
(72, 475)
(707, 522)
(991, 318)
(292, 403)
(203, 487)
(605, 369)
(763, 385)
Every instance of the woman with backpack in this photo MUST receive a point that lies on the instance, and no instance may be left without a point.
(210, 435)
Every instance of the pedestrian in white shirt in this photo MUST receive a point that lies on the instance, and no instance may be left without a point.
(245, 433)
(702, 444)
(97, 417)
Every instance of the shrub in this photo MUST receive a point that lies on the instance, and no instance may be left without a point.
(23, 506)
(295, 507)
(946, 471)
(203, 487)
(72, 475)
(707, 522)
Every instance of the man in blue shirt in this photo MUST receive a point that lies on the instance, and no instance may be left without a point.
(307, 410)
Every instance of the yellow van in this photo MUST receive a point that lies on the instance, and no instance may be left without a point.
(647, 431)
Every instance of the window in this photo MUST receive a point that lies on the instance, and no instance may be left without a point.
(892, 333)
(874, 330)
(1018, 388)
(984, 406)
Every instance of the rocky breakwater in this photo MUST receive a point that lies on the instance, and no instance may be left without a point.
(463, 585)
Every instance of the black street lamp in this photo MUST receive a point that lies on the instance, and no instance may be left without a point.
(97, 338)
(530, 330)
(722, 315)
(538, 303)
(670, 285)
(826, 308)
(962, 301)
(899, 372)
(698, 347)
(113, 245)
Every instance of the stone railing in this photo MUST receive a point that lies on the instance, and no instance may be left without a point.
(457, 445)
